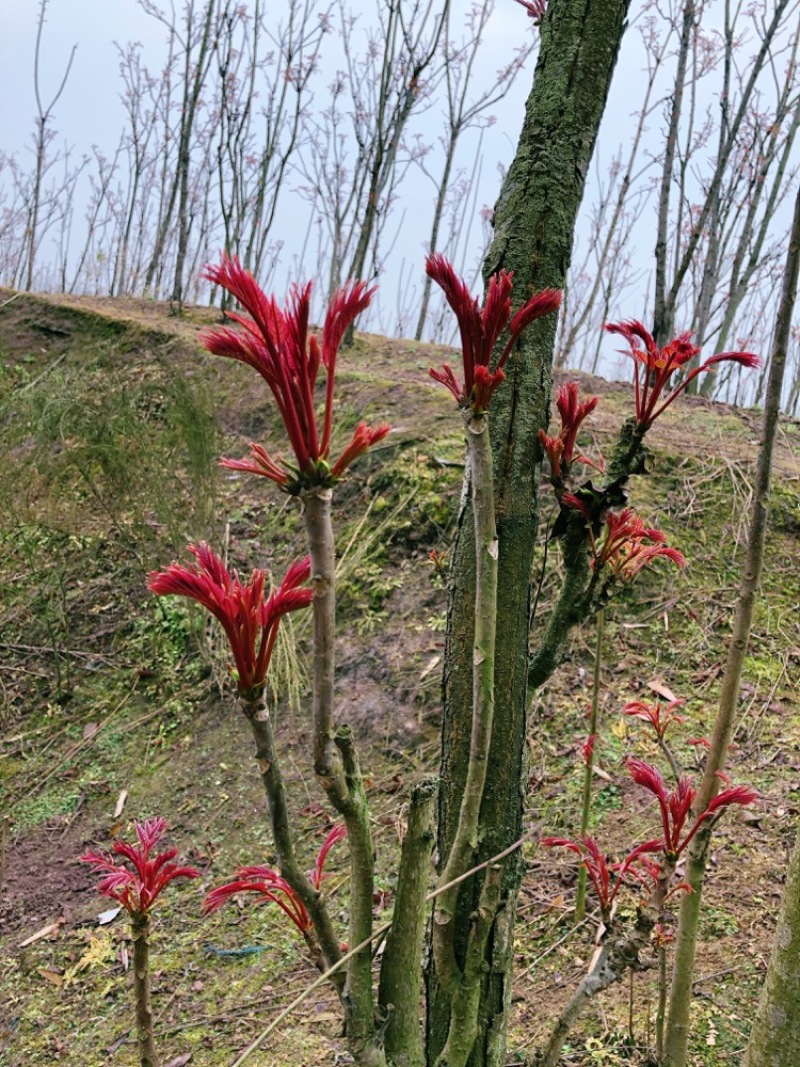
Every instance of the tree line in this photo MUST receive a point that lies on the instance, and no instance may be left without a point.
(314, 112)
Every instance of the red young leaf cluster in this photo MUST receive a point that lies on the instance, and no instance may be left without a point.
(480, 328)
(597, 867)
(250, 619)
(675, 805)
(271, 886)
(138, 889)
(277, 344)
(654, 366)
(560, 449)
(660, 719)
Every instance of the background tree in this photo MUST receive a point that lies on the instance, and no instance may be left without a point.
(462, 114)
(691, 220)
(42, 139)
(194, 40)
(354, 162)
(263, 78)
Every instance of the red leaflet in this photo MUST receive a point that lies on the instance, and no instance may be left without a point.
(338, 833)
(736, 794)
(624, 550)
(676, 806)
(249, 619)
(277, 344)
(659, 718)
(561, 449)
(587, 748)
(271, 886)
(536, 9)
(597, 866)
(480, 329)
(653, 367)
(137, 890)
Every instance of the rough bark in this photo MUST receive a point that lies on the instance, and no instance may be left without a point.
(534, 224)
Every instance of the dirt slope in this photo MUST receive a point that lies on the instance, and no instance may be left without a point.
(111, 424)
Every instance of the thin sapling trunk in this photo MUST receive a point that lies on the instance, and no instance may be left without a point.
(463, 986)
(140, 935)
(401, 966)
(580, 898)
(324, 945)
(680, 998)
(337, 769)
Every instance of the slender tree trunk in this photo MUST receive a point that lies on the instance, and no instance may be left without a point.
(185, 148)
(40, 141)
(686, 943)
(662, 327)
(338, 771)
(401, 967)
(140, 934)
(36, 197)
(534, 224)
(325, 949)
(438, 211)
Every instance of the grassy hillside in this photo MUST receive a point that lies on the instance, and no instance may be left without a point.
(111, 424)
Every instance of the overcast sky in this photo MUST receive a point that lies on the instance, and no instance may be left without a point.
(90, 112)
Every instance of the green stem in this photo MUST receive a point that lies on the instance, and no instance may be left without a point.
(630, 452)
(401, 966)
(324, 946)
(661, 1011)
(140, 935)
(580, 900)
(465, 840)
(337, 769)
(570, 609)
(466, 997)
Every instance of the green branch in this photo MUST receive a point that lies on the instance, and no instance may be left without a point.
(257, 714)
(465, 841)
(337, 769)
(401, 966)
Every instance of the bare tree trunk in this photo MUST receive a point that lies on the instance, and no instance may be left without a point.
(667, 292)
(460, 64)
(662, 326)
(408, 57)
(40, 142)
(188, 117)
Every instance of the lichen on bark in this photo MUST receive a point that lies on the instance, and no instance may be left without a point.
(534, 224)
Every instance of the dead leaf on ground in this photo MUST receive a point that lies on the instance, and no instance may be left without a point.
(179, 1061)
(661, 689)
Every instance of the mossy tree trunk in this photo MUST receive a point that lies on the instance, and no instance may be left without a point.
(775, 1037)
(534, 224)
